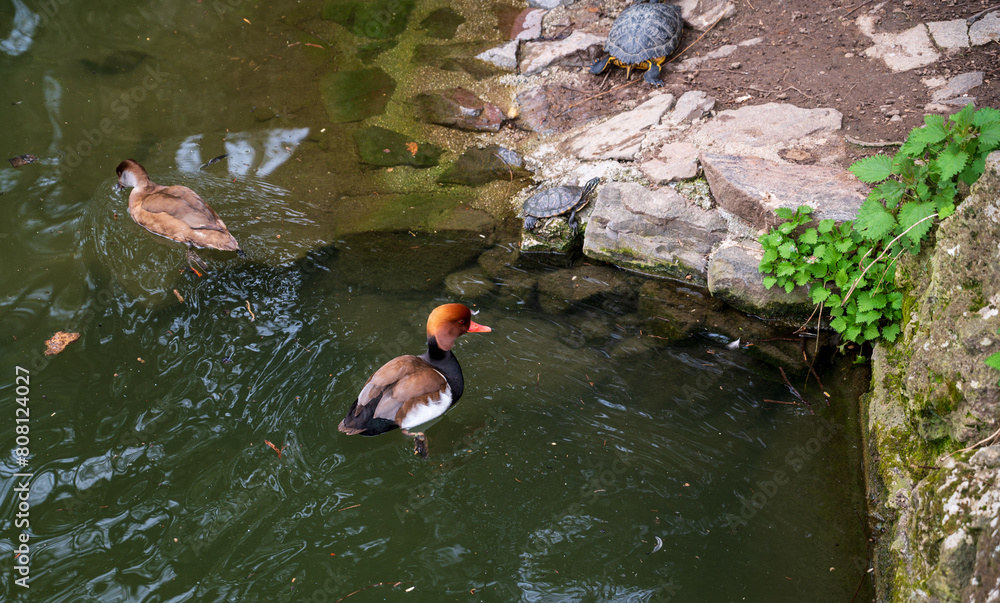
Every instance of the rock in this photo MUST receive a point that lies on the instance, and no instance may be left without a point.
(577, 50)
(654, 232)
(553, 235)
(752, 189)
(701, 14)
(504, 57)
(382, 147)
(950, 34)
(378, 19)
(762, 130)
(458, 108)
(547, 4)
(901, 51)
(356, 95)
(957, 86)
(985, 30)
(555, 108)
(442, 23)
(494, 261)
(674, 161)
(481, 165)
(692, 105)
(620, 136)
(932, 393)
(733, 278)
(118, 62)
(528, 24)
(594, 285)
(468, 284)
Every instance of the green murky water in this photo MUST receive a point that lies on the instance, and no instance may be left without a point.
(581, 438)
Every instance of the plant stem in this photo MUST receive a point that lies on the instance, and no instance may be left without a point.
(884, 251)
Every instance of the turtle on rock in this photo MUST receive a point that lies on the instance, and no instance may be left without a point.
(556, 201)
(642, 37)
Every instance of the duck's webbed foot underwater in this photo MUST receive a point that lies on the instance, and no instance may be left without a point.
(419, 442)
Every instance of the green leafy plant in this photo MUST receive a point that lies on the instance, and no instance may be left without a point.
(850, 268)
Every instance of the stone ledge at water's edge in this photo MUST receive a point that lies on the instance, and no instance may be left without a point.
(932, 394)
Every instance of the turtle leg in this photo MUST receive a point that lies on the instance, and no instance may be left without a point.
(529, 222)
(653, 74)
(419, 442)
(194, 260)
(600, 65)
(573, 224)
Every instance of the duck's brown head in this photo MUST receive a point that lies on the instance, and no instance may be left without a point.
(449, 322)
(130, 174)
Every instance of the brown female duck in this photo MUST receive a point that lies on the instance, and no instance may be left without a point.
(174, 212)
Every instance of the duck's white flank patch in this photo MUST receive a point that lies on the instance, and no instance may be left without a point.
(423, 413)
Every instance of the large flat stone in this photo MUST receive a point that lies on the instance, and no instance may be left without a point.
(620, 136)
(900, 51)
(950, 34)
(674, 161)
(957, 86)
(655, 232)
(733, 277)
(458, 108)
(753, 188)
(764, 130)
(985, 30)
(574, 50)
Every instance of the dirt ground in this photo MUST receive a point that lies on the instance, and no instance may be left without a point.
(812, 56)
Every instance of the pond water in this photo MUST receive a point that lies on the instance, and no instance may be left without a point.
(589, 460)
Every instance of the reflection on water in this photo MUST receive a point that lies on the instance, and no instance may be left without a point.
(584, 439)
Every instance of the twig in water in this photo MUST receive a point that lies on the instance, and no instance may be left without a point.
(795, 392)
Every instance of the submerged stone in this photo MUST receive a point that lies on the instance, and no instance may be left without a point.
(383, 147)
(481, 165)
(369, 52)
(442, 23)
(356, 95)
(120, 61)
(379, 19)
(458, 108)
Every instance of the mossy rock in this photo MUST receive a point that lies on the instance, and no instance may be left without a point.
(356, 95)
(385, 148)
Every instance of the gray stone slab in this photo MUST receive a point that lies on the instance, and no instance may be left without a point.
(957, 86)
(674, 161)
(752, 189)
(655, 232)
(504, 57)
(620, 136)
(900, 51)
(574, 50)
(950, 34)
(733, 277)
(985, 30)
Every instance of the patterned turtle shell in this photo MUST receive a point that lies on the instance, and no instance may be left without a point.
(642, 37)
(556, 201)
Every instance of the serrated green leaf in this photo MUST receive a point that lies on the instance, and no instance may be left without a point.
(786, 227)
(890, 332)
(851, 333)
(865, 302)
(872, 169)
(989, 136)
(787, 249)
(819, 294)
(945, 210)
(986, 115)
(808, 237)
(994, 361)
(785, 269)
(871, 332)
(873, 221)
(826, 226)
(838, 324)
(896, 299)
(804, 210)
(963, 119)
(834, 300)
(819, 271)
(910, 215)
(769, 281)
(891, 191)
(879, 300)
(867, 317)
(844, 245)
(769, 256)
(788, 287)
(785, 213)
(951, 163)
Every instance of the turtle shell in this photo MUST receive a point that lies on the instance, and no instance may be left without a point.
(559, 200)
(645, 31)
